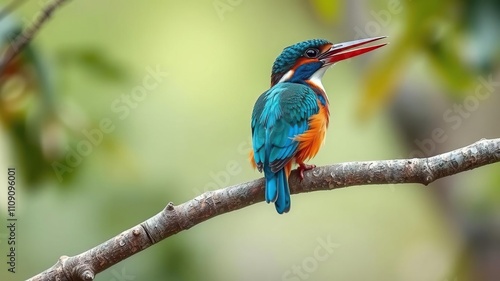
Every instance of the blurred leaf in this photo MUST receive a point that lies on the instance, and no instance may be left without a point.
(24, 88)
(95, 62)
(443, 53)
(433, 27)
(381, 79)
(494, 188)
(481, 21)
(328, 10)
(9, 29)
(41, 133)
(420, 15)
(171, 265)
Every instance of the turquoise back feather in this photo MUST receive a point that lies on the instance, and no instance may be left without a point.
(280, 114)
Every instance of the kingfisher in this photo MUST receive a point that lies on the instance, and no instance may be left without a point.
(289, 120)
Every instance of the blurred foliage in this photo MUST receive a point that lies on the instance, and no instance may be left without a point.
(180, 139)
(41, 130)
(95, 62)
(27, 105)
(328, 11)
(458, 38)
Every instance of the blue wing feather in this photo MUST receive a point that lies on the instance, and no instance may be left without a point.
(279, 115)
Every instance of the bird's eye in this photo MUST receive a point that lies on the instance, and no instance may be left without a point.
(311, 53)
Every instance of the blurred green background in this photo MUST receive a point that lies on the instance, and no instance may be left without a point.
(119, 107)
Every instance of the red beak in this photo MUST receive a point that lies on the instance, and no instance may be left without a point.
(346, 50)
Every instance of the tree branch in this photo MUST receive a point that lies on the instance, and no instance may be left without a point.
(27, 35)
(174, 219)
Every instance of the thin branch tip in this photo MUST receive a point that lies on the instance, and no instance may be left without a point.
(27, 35)
(170, 206)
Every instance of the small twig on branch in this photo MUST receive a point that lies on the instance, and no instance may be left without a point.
(174, 219)
(27, 35)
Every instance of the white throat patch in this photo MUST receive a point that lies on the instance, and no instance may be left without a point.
(286, 76)
(316, 78)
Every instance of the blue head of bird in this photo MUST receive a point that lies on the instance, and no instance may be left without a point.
(309, 60)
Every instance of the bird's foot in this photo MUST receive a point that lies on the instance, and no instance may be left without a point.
(304, 167)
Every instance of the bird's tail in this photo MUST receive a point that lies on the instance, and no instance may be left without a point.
(277, 189)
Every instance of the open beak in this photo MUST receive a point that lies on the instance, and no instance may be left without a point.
(342, 51)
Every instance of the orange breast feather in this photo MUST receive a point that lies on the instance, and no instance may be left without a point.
(311, 141)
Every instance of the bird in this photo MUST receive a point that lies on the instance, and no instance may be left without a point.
(289, 120)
